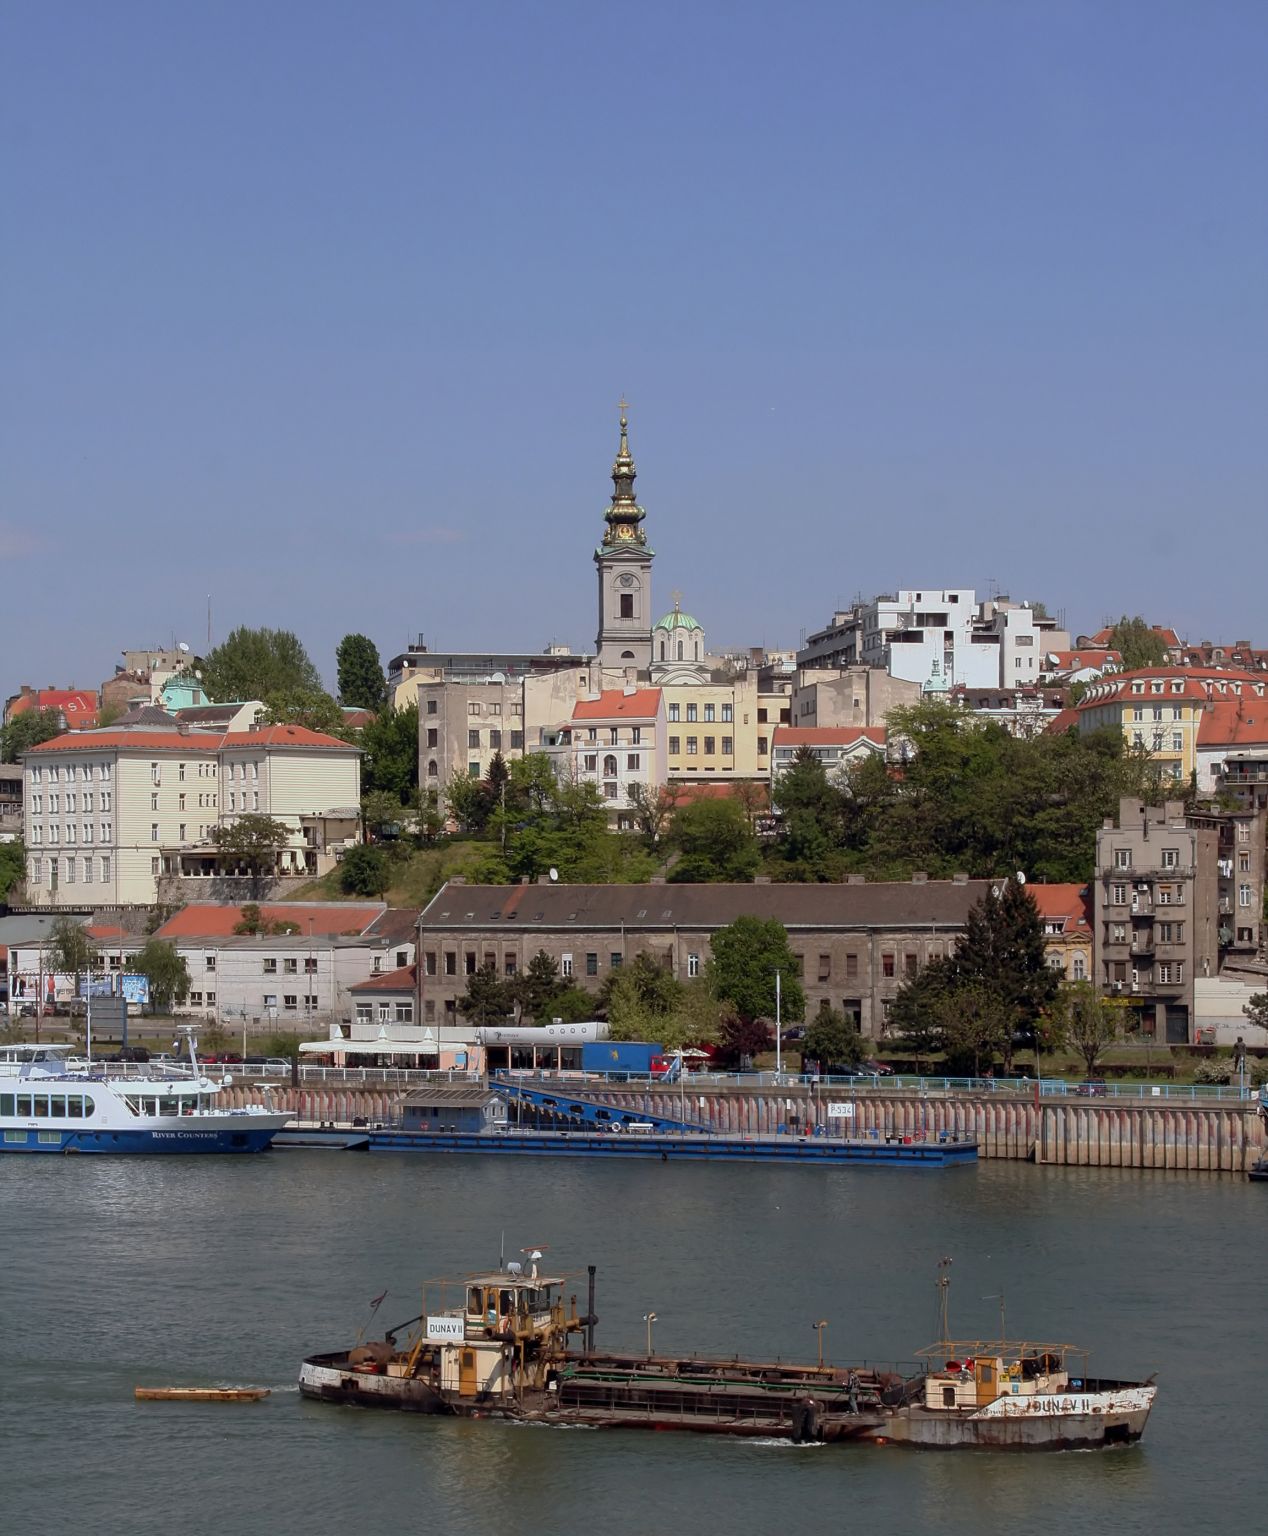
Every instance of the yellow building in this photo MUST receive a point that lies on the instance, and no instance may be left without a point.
(1161, 709)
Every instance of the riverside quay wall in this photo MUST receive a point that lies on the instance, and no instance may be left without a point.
(1179, 1134)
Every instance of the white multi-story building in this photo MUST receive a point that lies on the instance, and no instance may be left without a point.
(109, 813)
(615, 738)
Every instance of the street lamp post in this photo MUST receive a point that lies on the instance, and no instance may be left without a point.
(821, 1327)
(649, 1318)
(779, 1048)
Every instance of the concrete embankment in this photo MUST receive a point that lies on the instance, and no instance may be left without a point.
(1180, 1135)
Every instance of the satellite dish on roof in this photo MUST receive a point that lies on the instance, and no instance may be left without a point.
(1021, 877)
(554, 874)
(183, 648)
(995, 892)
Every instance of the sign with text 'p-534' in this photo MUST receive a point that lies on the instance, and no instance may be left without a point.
(840, 1111)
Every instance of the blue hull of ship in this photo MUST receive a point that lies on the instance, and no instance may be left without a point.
(146, 1143)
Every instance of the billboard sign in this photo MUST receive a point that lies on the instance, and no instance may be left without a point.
(136, 989)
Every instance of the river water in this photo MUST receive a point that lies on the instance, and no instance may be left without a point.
(229, 1270)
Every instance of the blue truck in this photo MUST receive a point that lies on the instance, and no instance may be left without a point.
(636, 1057)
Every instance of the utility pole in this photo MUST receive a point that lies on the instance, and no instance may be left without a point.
(779, 1047)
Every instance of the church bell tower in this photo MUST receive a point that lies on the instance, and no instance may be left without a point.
(624, 563)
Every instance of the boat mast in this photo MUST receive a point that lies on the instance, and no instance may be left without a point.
(944, 1299)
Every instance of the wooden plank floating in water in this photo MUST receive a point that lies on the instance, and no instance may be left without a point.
(202, 1394)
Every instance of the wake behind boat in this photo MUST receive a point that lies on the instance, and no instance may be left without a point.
(49, 1103)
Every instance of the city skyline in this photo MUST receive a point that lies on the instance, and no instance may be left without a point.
(331, 322)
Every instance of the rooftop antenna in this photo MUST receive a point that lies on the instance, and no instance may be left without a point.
(944, 1298)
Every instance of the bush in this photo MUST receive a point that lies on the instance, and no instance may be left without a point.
(365, 871)
(1218, 1071)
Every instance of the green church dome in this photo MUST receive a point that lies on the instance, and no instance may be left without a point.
(677, 620)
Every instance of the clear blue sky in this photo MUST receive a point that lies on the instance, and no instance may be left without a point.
(324, 308)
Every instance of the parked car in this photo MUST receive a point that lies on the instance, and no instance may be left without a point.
(793, 1035)
(130, 1053)
(1091, 1087)
(878, 1069)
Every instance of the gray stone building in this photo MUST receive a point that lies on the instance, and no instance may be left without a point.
(855, 943)
(1178, 898)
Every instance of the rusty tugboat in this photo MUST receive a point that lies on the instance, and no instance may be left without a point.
(505, 1353)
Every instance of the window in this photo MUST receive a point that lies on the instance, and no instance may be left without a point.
(154, 832)
(609, 765)
(182, 838)
(691, 713)
(851, 966)
(910, 965)
(469, 961)
(1122, 858)
(1243, 895)
(614, 736)
(1177, 741)
(565, 965)
(614, 959)
(763, 746)
(693, 965)
(473, 709)
(1170, 858)
(887, 965)
(592, 964)
(1079, 968)
(609, 789)
(592, 762)
(473, 770)
(592, 733)
(87, 831)
(495, 709)
(451, 962)
(1164, 973)
(674, 745)
(627, 605)
(636, 735)
(710, 744)
(631, 762)
(708, 713)
(727, 713)
(105, 831)
(431, 706)
(517, 741)
(290, 1001)
(154, 866)
(105, 870)
(508, 964)
(673, 711)
(691, 746)
(270, 967)
(761, 716)
(433, 736)
(154, 774)
(495, 740)
(825, 967)
(70, 871)
(429, 963)
(153, 802)
(1118, 895)
(291, 966)
(473, 739)
(728, 746)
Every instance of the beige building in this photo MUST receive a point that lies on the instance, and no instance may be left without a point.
(855, 944)
(615, 740)
(854, 696)
(111, 813)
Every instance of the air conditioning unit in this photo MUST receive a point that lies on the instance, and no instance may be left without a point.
(1117, 985)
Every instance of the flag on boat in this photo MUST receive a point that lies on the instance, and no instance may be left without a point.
(374, 1305)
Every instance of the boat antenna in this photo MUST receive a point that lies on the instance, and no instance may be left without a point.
(1003, 1331)
(944, 1298)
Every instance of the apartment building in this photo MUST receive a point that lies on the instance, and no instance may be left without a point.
(835, 749)
(11, 820)
(854, 696)
(615, 739)
(1067, 917)
(111, 813)
(1156, 900)
(855, 944)
(1162, 709)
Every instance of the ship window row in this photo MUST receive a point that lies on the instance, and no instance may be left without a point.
(47, 1106)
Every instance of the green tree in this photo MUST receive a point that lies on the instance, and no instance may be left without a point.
(917, 1013)
(653, 808)
(537, 986)
(976, 1025)
(746, 955)
(1139, 644)
(383, 814)
(313, 709)
(252, 842)
(1086, 1022)
(12, 867)
(27, 730)
(365, 870)
(167, 973)
(714, 841)
(258, 664)
(70, 950)
(389, 746)
(465, 802)
(653, 987)
(832, 1040)
(487, 999)
(250, 919)
(811, 812)
(360, 673)
(283, 1045)
(1257, 1009)
(1002, 954)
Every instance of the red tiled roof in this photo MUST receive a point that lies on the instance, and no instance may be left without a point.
(1203, 683)
(193, 741)
(685, 791)
(213, 921)
(613, 704)
(1234, 722)
(1087, 656)
(284, 736)
(1071, 902)
(106, 931)
(1065, 720)
(828, 735)
(403, 980)
(79, 705)
(150, 741)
